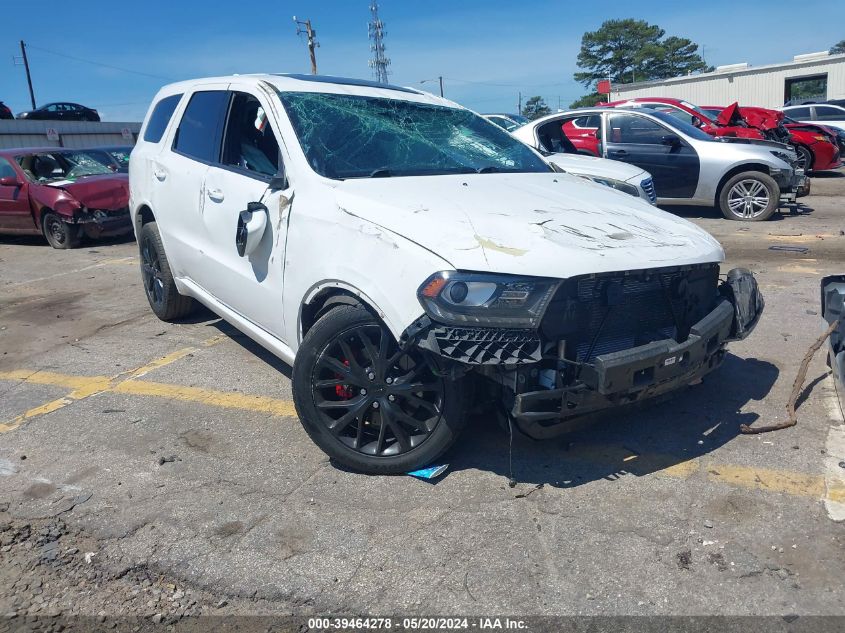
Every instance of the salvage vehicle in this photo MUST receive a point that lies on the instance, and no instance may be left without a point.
(826, 114)
(61, 194)
(615, 174)
(5, 112)
(405, 256)
(117, 156)
(507, 122)
(817, 146)
(746, 179)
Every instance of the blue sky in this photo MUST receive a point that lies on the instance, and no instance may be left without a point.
(487, 51)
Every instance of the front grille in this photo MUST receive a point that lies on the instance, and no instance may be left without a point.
(648, 187)
(600, 314)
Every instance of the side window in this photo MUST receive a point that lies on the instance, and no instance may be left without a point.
(588, 122)
(52, 107)
(6, 170)
(250, 143)
(630, 128)
(160, 118)
(198, 135)
(827, 113)
(798, 113)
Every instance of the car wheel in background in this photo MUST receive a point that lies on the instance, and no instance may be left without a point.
(805, 157)
(368, 404)
(159, 286)
(751, 196)
(58, 233)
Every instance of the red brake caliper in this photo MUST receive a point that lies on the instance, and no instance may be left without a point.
(344, 392)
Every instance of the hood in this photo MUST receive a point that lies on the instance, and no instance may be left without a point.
(759, 118)
(601, 167)
(758, 142)
(547, 225)
(109, 191)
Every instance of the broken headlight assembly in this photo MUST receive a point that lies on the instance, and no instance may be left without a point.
(624, 187)
(465, 299)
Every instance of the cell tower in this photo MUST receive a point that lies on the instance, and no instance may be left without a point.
(380, 61)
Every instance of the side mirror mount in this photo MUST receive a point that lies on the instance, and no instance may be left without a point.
(279, 181)
(10, 181)
(670, 139)
(251, 226)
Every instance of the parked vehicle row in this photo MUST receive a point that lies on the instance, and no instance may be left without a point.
(746, 179)
(399, 272)
(64, 194)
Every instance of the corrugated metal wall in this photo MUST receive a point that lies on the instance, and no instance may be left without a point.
(73, 134)
(763, 87)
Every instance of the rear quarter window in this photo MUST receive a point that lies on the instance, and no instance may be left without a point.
(160, 118)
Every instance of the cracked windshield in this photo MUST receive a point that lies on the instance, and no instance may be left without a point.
(348, 136)
(45, 168)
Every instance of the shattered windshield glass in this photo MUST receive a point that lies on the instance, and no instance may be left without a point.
(65, 165)
(352, 136)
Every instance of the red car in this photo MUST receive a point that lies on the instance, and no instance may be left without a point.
(817, 145)
(61, 194)
(5, 112)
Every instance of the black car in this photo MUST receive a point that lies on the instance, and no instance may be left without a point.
(5, 112)
(61, 112)
(117, 155)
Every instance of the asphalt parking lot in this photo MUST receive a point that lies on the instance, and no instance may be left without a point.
(161, 470)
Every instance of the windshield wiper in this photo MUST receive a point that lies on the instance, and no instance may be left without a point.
(489, 169)
(381, 172)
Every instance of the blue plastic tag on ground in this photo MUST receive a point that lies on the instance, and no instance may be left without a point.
(432, 472)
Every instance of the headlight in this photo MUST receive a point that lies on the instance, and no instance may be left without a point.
(631, 190)
(784, 156)
(458, 298)
(822, 138)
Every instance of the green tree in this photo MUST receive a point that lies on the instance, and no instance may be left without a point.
(588, 101)
(837, 49)
(535, 107)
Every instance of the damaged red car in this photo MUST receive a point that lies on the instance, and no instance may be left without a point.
(62, 194)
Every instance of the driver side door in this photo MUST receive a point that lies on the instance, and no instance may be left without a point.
(641, 141)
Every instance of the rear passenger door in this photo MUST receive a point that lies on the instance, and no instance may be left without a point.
(15, 214)
(641, 141)
(177, 177)
(250, 157)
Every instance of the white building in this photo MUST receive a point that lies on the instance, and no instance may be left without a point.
(817, 76)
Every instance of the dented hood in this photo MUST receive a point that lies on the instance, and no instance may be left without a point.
(552, 225)
(759, 118)
(109, 192)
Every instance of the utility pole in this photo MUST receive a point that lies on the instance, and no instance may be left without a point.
(520, 103)
(311, 39)
(28, 76)
(375, 31)
(441, 86)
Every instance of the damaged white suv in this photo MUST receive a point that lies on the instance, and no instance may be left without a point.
(396, 248)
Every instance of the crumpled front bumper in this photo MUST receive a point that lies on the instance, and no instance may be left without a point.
(661, 366)
(103, 223)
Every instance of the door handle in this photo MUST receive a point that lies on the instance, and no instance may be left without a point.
(160, 175)
(216, 195)
(618, 152)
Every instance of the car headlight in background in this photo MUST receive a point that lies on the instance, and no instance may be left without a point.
(625, 187)
(458, 298)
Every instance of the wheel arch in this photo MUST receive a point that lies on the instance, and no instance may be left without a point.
(738, 169)
(325, 296)
(143, 215)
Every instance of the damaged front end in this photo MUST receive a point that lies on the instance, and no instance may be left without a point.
(102, 222)
(558, 349)
(833, 309)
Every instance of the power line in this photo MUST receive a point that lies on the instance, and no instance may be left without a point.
(89, 61)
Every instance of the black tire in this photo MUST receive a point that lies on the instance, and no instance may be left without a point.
(750, 196)
(159, 286)
(805, 158)
(368, 405)
(59, 234)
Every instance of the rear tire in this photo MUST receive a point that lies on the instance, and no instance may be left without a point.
(750, 196)
(368, 405)
(60, 234)
(159, 285)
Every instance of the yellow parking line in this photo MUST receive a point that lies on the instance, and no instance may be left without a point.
(87, 386)
(791, 483)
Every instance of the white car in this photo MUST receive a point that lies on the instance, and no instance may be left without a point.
(820, 113)
(627, 178)
(407, 257)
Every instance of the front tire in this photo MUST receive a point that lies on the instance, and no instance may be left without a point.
(369, 405)
(60, 234)
(159, 285)
(805, 157)
(751, 196)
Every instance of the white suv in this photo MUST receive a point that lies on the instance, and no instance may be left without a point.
(397, 249)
